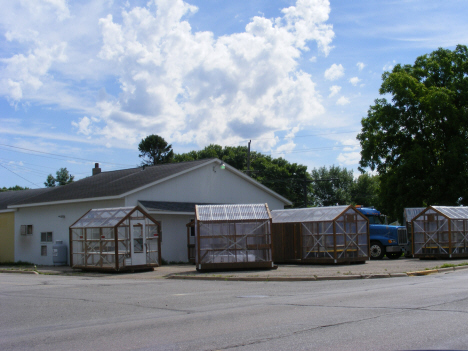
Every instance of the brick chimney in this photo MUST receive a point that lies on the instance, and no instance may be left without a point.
(96, 169)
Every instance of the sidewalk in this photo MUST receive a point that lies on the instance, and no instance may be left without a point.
(285, 272)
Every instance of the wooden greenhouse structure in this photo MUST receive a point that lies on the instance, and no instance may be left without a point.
(115, 239)
(338, 234)
(441, 232)
(232, 237)
(408, 214)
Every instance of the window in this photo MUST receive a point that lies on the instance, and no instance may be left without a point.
(46, 237)
(27, 229)
(43, 250)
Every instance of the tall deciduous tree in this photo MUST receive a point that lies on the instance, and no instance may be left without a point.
(365, 191)
(63, 177)
(418, 142)
(155, 150)
(331, 186)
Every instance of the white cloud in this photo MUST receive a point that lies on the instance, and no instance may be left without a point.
(351, 154)
(354, 81)
(349, 158)
(187, 86)
(360, 65)
(342, 101)
(389, 66)
(335, 89)
(334, 72)
(285, 148)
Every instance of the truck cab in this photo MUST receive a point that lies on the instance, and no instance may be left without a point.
(385, 239)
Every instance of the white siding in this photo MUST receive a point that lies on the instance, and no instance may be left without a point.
(205, 185)
(174, 236)
(46, 219)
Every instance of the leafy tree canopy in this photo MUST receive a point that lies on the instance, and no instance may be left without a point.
(14, 188)
(155, 150)
(332, 186)
(365, 191)
(63, 177)
(418, 141)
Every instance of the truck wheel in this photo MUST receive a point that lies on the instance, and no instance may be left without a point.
(376, 251)
(393, 255)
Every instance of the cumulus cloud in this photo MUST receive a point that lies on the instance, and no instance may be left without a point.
(335, 89)
(351, 154)
(389, 66)
(342, 101)
(334, 72)
(354, 81)
(285, 148)
(360, 65)
(190, 87)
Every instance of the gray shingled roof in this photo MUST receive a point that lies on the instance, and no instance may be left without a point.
(167, 206)
(112, 183)
(10, 197)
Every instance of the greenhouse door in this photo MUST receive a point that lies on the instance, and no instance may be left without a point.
(137, 235)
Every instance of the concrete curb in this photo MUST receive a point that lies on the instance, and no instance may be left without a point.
(272, 278)
(17, 271)
(419, 273)
(285, 279)
(316, 278)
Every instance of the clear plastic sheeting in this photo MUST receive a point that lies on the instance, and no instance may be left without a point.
(234, 236)
(411, 212)
(311, 214)
(102, 217)
(441, 231)
(321, 235)
(232, 212)
(104, 239)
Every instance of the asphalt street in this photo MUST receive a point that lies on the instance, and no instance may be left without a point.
(122, 312)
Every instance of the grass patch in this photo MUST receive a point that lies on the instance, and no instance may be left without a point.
(451, 265)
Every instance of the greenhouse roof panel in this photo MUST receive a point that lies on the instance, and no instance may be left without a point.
(458, 212)
(311, 214)
(102, 217)
(412, 212)
(232, 212)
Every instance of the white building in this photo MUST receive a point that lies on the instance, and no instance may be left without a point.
(167, 192)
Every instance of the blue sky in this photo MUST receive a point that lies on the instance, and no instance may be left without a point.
(85, 81)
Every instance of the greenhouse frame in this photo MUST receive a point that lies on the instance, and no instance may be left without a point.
(233, 237)
(441, 232)
(115, 239)
(322, 235)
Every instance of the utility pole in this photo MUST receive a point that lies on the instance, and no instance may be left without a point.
(248, 159)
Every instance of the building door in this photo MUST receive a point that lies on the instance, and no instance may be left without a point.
(138, 240)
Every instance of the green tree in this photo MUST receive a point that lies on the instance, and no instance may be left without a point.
(63, 177)
(155, 150)
(365, 191)
(13, 188)
(418, 142)
(331, 186)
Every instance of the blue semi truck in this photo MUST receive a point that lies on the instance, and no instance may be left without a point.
(389, 240)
